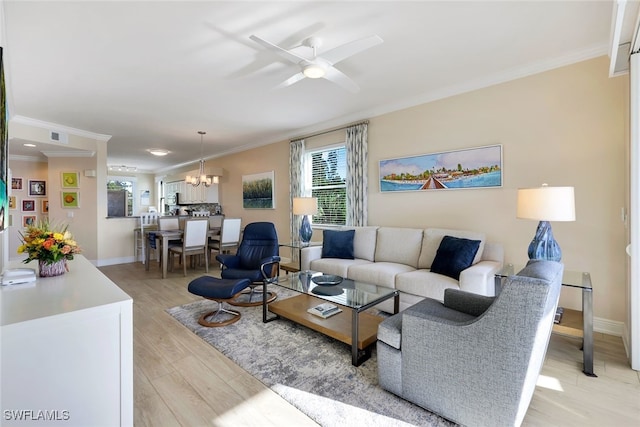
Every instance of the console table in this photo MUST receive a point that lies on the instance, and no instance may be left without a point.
(67, 350)
(574, 323)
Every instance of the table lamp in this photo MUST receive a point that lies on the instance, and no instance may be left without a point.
(305, 206)
(546, 204)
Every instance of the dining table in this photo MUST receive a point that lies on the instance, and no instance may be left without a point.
(165, 236)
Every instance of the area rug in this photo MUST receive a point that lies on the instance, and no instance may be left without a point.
(309, 370)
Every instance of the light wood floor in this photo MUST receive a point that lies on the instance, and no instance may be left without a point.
(179, 380)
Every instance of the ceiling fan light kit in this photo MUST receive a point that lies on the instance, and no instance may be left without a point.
(322, 66)
(314, 71)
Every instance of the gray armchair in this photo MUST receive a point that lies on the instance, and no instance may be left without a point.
(473, 359)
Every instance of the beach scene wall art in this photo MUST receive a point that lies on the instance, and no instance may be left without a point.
(479, 167)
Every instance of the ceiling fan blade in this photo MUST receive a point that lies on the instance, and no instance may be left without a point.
(291, 80)
(289, 56)
(346, 50)
(338, 77)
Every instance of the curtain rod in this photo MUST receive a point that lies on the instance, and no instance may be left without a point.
(364, 122)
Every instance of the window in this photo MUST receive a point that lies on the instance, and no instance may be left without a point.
(120, 196)
(328, 179)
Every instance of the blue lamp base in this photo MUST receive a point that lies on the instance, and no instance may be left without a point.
(305, 230)
(543, 245)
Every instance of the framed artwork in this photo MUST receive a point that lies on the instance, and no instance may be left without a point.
(28, 220)
(70, 179)
(12, 202)
(258, 191)
(45, 207)
(469, 168)
(37, 188)
(70, 199)
(28, 206)
(16, 184)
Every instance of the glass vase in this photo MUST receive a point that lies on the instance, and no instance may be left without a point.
(56, 268)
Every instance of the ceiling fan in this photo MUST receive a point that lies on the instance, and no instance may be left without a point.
(322, 66)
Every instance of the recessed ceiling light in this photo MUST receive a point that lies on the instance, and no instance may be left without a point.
(158, 151)
(29, 145)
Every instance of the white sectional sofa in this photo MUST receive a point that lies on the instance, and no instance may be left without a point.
(402, 258)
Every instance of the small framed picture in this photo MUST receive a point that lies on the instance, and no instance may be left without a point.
(45, 207)
(37, 187)
(70, 179)
(28, 220)
(70, 199)
(16, 184)
(12, 202)
(28, 206)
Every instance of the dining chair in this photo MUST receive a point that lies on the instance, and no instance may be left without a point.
(168, 223)
(148, 221)
(194, 242)
(229, 236)
(215, 224)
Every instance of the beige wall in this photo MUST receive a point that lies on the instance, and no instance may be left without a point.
(274, 157)
(562, 127)
(85, 220)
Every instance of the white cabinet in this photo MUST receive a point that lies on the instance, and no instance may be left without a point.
(67, 350)
(199, 194)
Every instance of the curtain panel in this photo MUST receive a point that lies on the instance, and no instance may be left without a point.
(296, 184)
(357, 187)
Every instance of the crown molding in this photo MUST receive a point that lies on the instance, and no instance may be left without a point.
(27, 158)
(61, 128)
(69, 153)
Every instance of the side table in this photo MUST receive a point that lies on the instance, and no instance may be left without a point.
(574, 323)
(294, 265)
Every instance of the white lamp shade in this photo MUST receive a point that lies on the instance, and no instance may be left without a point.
(546, 204)
(305, 205)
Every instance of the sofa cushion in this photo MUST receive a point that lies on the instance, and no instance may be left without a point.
(425, 284)
(399, 245)
(337, 266)
(364, 241)
(454, 255)
(337, 244)
(378, 273)
(433, 237)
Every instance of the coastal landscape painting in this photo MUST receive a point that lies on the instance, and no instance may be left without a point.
(479, 167)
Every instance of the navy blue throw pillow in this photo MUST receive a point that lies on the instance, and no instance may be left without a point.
(337, 244)
(454, 255)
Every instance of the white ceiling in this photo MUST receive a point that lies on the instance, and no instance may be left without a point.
(153, 73)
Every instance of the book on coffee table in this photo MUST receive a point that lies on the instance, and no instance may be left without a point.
(324, 310)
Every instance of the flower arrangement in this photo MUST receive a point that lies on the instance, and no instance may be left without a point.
(47, 243)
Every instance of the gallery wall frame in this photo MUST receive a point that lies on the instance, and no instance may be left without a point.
(44, 207)
(258, 191)
(37, 187)
(28, 220)
(70, 179)
(28, 205)
(70, 199)
(16, 184)
(12, 202)
(470, 168)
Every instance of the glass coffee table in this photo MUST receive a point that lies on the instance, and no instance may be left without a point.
(352, 326)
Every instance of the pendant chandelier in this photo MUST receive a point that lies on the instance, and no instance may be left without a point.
(201, 177)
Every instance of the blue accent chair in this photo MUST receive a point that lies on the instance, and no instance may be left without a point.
(258, 260)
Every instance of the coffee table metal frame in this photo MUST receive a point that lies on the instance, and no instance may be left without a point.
(306, 286)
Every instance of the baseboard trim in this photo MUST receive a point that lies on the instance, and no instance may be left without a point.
(609, 327)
